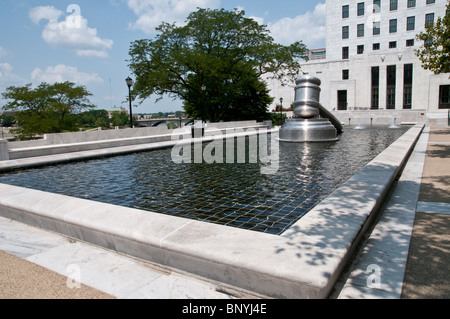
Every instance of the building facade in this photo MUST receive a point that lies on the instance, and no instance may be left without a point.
(370, 61)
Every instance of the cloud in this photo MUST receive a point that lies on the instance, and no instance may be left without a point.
(71, 33)
(151, 13)
(62, 73)
(5, 68)
(309, 27)
(3, 52)
(49, 13)
(7, 77)
(92, 53)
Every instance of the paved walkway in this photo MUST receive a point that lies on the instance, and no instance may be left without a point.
(406, 255)
(428, 270)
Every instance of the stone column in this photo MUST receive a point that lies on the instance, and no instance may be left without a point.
(4, 152)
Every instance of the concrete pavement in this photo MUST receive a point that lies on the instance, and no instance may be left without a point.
(428, 269)
(407, 253)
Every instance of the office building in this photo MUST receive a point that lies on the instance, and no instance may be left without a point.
(370, 63)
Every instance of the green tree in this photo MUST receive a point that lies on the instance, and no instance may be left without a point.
(120, 119)
(8, 120)
(172, 125)
(101, 122)
(46, 108)
(215, 64)
(179, 114)
(435, 52)
(89, 118)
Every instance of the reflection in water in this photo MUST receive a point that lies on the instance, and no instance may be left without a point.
(230, 194)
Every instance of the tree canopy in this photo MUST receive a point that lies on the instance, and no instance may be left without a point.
(435, 52)
(48, 108)
(215, 64)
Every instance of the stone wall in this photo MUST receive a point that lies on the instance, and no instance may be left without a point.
(84, 141)
(381, 117)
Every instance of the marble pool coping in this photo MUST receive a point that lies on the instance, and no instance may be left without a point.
(304, 262)
(80, 151)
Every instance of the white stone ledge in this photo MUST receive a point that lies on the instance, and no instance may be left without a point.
(304, 262)
(26, 152)
(80, 155)
(98, 152)
(63, 148)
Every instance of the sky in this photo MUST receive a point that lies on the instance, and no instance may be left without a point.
(87, 42)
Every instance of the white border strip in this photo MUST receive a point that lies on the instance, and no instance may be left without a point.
(433, 208)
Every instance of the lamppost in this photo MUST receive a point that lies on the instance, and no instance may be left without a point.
(130, 84)
(203, 88)
(281, 109)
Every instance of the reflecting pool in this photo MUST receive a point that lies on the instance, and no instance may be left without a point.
(235, 195)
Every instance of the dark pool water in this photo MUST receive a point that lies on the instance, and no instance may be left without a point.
(235, 195)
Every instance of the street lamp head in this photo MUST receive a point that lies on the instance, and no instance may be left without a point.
(281, 100)
(129, 81)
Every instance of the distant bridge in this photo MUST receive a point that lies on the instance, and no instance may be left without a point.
(162, 122)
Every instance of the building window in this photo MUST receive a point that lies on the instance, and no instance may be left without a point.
(376, 6)
(410, 43)
(345, 32)
(390, 88)
(342, 100)
(410, 23)
(376, 46)
(392, 44)
(345, 74)
(407, 86)
(376, 28)
(360, 49)
(361, 9)
(407, 97)
(444, 97)
(345, 53)
(360, 31)
(411, 3)
(393, 5)
(375, 87)
(345, 12)
(430, 1)
(429, 19)
(393, 26)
